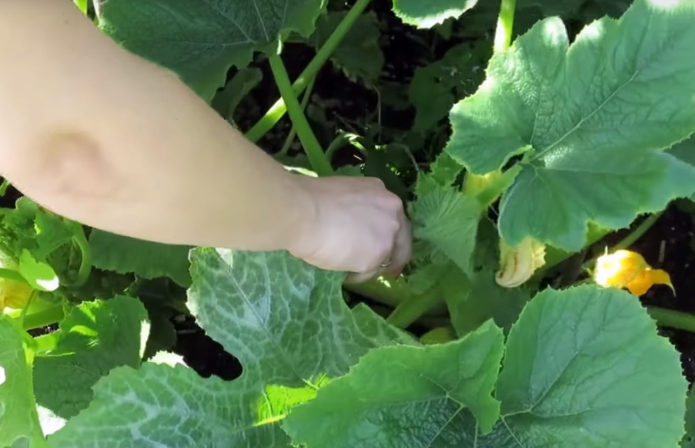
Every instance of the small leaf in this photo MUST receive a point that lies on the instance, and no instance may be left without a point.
(437, 86)
(39, 275)
(447, 221)
(435, 386)
(359, 55)
(426, 14)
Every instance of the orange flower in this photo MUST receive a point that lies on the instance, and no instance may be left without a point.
(627, 269)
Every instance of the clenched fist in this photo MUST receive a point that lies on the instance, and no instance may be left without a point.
(355, 225)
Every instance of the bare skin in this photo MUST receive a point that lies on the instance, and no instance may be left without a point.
(109, 139)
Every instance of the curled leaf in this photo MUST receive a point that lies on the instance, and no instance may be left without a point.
(518, 263)
(628, 269)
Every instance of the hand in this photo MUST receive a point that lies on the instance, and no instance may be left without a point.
(357, 226)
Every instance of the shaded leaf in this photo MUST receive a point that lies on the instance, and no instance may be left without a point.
(359, 55)
(227, 100)
(147, 259)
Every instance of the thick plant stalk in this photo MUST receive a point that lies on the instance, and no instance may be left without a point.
(672, 318)
(412, 309)
(293, 132)
(389, 294)
(278, 109)
(317, 158)
(505, 26)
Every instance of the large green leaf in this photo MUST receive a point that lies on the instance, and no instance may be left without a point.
(93, 339)
(446, 221)
(286, 321)
(406, 396)
(426, 14)
(145, 258)
(202, 39)
(19, 423)
(162, 406)
(590, 120)
(585, 368)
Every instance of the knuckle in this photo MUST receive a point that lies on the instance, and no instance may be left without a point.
(375, 182)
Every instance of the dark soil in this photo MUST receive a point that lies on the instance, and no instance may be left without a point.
(672, 237)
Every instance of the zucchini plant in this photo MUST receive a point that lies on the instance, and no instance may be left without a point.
(556, 143)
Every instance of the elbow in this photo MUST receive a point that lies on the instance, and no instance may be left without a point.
(66, 171)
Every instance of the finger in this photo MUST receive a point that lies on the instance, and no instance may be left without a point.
(402, 250)
(362, 277)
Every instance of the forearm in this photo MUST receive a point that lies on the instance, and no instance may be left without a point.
(108, 139)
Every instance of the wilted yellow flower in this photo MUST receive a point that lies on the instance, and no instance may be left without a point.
(627, 269)
(518, 263)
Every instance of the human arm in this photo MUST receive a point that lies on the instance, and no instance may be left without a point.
(111, 140)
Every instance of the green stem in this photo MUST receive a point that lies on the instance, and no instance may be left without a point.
(497, 186)
(505, 26)
(293, 132)
(4, 186)
(278, 109)
(672, 318)
(80, 240)
(630, 239)
(412, 308)
(11, 274)
(40, 314)
(639, 231)
(313, 149)
(386, 293)
(626, 242)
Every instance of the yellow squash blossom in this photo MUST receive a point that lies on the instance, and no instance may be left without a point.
(518, 263)
(13, 294)
(627, 269)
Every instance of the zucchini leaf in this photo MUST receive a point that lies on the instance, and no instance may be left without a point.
(585, 367)
(590, 120)
(287, 323)
(426, 14)
(202, 39)
(424, 407)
